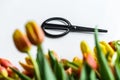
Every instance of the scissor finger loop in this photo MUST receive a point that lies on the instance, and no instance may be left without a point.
(64, 21)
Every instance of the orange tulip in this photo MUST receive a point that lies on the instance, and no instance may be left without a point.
(90, 61)
(34, 33)
(27, 67)
(21, 41)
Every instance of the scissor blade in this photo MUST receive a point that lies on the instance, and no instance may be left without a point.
(72, 28)
(85, 29)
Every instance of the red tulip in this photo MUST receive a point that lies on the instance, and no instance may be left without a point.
(5, 63)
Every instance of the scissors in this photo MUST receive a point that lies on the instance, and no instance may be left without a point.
(66, 28)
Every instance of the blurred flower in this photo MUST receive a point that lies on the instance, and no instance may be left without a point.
(34, 33)
(23, 44)
(69, 71)
(90, 61)
(3, 71)
(28, 61)
(112, 44)
(85, 47)
(21, 41)
(28, 67)
(77, 61)
(109, 51)
(6, 64)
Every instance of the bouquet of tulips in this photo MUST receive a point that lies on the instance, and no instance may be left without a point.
(103, 63)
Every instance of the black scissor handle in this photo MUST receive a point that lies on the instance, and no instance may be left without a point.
(66, 22)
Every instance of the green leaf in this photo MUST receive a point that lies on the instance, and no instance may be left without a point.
(60, 72)
(57, 67)
(105, 71)
(22, 76)
(117, 70)
(44, 67)
(52, 59)
(87, 73)
(92, 75)
(117, 62)
(71, 77)
(72, 65)
(84, 73)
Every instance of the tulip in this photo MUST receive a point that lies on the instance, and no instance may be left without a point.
(34, 33)
(109, 49)
(85, 48)
(90, 61)
(112, 44)
(27, 67)
(28, 61)
(21, 41)
(5, 63)
(23, 44)
(3, 71)
(77, 61)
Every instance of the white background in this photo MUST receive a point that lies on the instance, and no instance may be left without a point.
(15, 13)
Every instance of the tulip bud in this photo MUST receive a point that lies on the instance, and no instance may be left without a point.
(34, 33)
(27, 67)
(5, 63)
(85, 48)
(77, 61)
(21, 41)
(3, 71)
(109, 49)
(28, 61)
(90, 61)
(112, 44)
(11, 73)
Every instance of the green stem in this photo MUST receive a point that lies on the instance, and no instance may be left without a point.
(35, 66)
(8, 78)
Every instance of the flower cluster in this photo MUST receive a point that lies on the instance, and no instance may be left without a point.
(102, 63)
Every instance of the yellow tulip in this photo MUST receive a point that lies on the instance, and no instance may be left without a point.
(109, 50)
(21, 41)
(34, 33)
(108, 47)
(84, 47)
(77, 61)
(103, 48)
